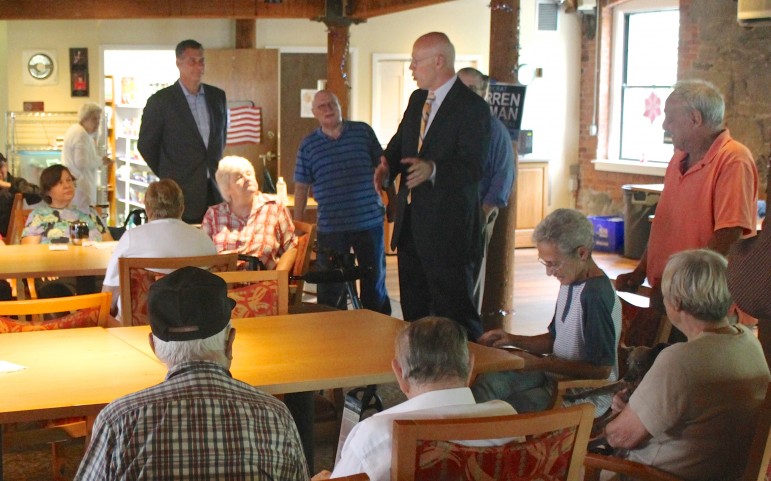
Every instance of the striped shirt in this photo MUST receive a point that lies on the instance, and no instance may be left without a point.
(587, 327)
(266, 234)
(199, 424)
(341, 171)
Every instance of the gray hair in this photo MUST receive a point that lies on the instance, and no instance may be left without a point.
(695, 281)
(433, 349)
(87, 110)
(173, 353)
(228, 166)
(164, 199)
(480, 78)
(567, 229)
(704, 97)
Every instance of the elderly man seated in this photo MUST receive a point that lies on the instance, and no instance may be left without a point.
(432, 367)
(693, 413)
(248, 222)
(164, 235)
(583, 336)
(199, 423)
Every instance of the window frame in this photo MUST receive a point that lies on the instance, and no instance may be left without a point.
(618, 40)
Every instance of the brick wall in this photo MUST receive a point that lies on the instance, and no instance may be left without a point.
(713, 47)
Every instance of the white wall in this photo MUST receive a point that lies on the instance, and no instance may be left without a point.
(552, 101)
(551, 108)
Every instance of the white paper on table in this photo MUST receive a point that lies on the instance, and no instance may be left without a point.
(103, 245)
(6, 366)
(58, 247)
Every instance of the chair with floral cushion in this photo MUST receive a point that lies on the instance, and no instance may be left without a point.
(257, 293)
(90, 310)
(547, 445)
(137, 274)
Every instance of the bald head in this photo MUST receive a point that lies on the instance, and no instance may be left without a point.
(433, 60)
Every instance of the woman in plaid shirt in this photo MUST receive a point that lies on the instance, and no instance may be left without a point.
(248, 222)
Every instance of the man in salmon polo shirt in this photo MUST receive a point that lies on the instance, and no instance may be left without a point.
(710, 187)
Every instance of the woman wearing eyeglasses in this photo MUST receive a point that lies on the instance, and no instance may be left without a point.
(583, 336)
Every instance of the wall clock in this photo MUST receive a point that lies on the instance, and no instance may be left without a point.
(40, 66)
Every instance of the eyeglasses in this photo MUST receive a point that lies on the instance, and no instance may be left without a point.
(552, 266)
(416, 61)
(555, 266)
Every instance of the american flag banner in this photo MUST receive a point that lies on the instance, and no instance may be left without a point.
(245, 125)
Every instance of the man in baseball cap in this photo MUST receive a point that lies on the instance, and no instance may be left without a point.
(199, 423)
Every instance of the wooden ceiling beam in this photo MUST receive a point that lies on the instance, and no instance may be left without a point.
(373, 8)
(128, 9)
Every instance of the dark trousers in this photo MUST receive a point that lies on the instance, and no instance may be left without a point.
(433, 286)
(369, 249)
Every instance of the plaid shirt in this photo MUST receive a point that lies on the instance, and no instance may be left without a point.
(266, 234)
(199, 424)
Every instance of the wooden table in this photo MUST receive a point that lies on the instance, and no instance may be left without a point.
(73, 372)
(308, 352)
(37, 260)
(77, 372)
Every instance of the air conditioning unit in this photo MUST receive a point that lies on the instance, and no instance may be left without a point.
(753, 13)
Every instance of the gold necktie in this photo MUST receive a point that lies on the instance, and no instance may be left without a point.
(424, 118)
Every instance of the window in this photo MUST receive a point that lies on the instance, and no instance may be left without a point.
(644, 63)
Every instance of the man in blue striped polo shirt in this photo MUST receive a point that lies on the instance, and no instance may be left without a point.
(338, 160)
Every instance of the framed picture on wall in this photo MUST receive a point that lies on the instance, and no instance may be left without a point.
(79, 72)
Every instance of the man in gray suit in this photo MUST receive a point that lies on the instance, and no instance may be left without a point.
(183, 132)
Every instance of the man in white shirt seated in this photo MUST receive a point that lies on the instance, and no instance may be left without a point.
(432, 367)
(164, 235)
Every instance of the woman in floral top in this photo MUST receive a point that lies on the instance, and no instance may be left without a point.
(51, 223)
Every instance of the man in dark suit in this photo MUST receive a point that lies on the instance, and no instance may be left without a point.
(438, 221)
(183, 132)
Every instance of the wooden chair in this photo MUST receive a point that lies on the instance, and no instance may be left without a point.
(17, 219)
(757, 468)
(422, 449)
(306, 237)
(89, 310)
(137, 274)
(258, 293)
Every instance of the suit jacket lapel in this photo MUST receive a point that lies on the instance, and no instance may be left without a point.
(214, 115)
(445, 110)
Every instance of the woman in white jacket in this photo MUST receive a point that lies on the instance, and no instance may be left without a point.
(80, 155)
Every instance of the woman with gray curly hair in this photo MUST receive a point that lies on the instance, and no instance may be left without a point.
(248, 222)
(583, 336)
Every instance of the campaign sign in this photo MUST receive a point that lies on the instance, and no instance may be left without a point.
(506, 103)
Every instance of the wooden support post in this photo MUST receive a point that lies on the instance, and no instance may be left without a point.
(338, 67)
(246, 33)
(498, 302)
